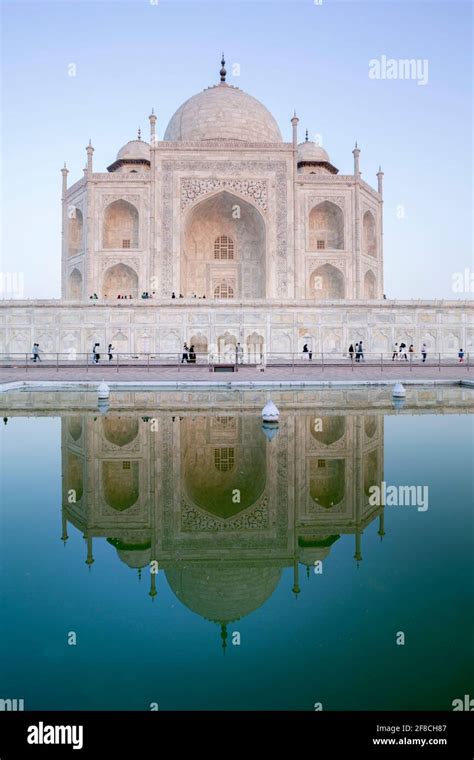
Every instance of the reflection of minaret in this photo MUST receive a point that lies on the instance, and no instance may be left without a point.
(90, 559)
(224, 636)
(64, 535)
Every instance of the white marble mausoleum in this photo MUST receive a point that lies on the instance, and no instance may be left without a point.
(236, 236)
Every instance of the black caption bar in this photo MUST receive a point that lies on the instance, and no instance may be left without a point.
(374, 734)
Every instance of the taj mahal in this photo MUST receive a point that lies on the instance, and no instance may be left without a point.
(219, 233)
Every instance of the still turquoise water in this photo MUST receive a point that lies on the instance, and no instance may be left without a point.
(239, 526)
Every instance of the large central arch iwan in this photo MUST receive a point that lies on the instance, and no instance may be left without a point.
(223, 249)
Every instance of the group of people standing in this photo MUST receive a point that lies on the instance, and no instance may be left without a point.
(357, 352)
(96, 352)
(189, 355)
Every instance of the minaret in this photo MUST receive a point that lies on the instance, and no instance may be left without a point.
(357, 246)
(64, 240)
(152, 262)
(294, 124)
(380, 189)
(90, 151)
(380, 180)
(356, 154)
(64, 172)
(152, 119)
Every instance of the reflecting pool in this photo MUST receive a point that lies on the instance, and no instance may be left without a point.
(188, 559)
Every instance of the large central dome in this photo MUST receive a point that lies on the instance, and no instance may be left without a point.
(223, 112)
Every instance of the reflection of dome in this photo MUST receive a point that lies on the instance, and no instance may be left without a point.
(223, 112)
(223, 591)
(133, 150)
(135, 558)
(133, 555)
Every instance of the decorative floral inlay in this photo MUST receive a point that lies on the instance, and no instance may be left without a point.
(193, 188)
(193, 519)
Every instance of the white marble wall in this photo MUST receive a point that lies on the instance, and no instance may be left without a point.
(283, 326)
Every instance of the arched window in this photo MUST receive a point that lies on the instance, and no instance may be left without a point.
(223, 290)
(326, 227)
(224, 248)
(326, 283)
(369, 239)
(370, 286)
(75, 230)
(75, 285)
(120, 226)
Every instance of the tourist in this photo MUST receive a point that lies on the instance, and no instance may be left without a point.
(239, 354)
(395, 351)
(351, 352)
(403, 351)
(181, 295)
(357, 352)
(109, 351)
(361, 351)
(424, 351)
(36, 353)
(185, 357)
(411, 350)
(95, 353)
(192, 355)
(173, 294)
(461, 356)
(305, 350)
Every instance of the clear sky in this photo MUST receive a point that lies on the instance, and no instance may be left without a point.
(130, 56)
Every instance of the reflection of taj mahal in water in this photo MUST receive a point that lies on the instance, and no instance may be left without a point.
(164, 490)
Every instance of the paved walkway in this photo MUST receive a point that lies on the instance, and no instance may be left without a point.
(360, 372)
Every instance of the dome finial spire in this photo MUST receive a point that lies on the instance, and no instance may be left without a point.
(139, 134)
(306, 136)
(223, 71)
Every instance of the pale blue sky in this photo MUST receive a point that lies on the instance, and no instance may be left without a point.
(131, 56)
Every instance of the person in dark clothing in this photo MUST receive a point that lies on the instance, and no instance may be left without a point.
(185, 356)
(351, 352)
(109, 351)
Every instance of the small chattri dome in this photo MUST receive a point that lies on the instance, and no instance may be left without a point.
(313, 159)
(134, 149)
(309, 151)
